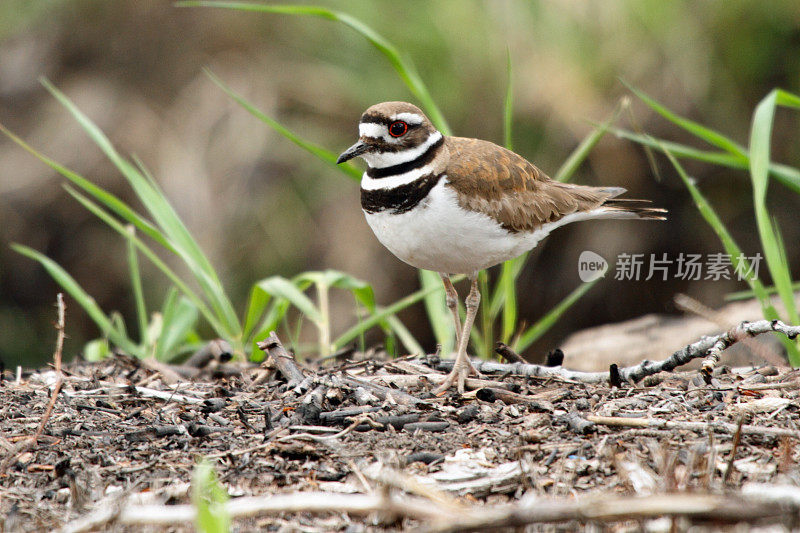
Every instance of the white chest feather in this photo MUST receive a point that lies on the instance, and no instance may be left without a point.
(439, 235)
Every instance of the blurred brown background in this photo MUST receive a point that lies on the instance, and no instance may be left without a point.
(261, 206)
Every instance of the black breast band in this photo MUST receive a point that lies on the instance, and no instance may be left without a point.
(399, 199)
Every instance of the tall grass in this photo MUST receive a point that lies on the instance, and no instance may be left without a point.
(171, 331)
(756, 160)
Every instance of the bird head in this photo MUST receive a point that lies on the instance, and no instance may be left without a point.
(388, 130)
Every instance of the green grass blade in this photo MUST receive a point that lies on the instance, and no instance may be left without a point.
(382, 314)
(150, 255)
(272, 319)
(256, 305)
(118, 323)
(321, 153)
(698, 130)
(530, 335)
(96, 350)
(339, 280)
(364, 296)
(746, 295)
(136, 284)
(112, 202)
(165, 216)
(760, 140)
(209, 499)
(404, 336)
(713, 220)
(511, 268)
(507, 286)
(788, 176)
(581, 152)
(487, 319)
(147, 174)
(508, 105)
(439, 315)
(730, 246)
(404, 68)
(180, 317)
(280, 287)
(88, 303)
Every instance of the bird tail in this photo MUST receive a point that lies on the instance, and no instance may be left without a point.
(629, 208)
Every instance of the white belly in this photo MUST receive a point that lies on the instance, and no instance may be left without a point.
(439, 235)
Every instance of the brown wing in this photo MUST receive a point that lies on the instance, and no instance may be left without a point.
(510, 189)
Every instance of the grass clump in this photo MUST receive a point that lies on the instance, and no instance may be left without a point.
(755, 159)
(172, 331)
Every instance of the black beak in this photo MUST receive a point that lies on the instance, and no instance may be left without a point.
(354, 151)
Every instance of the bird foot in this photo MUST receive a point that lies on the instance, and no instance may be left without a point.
(462, 369)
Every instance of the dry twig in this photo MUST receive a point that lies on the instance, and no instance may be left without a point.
(29, 443)
(722, 427)
(308, 502)
(635, 373)
(720, 508)
(687, 303)
(283, 360)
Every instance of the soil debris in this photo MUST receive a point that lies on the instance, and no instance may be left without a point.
(338, 445)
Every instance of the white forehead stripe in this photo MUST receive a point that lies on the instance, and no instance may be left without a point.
(410, 118)
(371, 129)
(388, 159)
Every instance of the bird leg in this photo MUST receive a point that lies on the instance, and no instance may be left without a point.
(462, 367)
(451, 297)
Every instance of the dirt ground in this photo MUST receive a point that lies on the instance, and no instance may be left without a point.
(124, 434)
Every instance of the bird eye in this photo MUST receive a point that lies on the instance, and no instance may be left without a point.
(398, 128)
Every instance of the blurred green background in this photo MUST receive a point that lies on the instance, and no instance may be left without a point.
(260, 206)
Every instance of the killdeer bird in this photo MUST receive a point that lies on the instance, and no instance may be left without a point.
(456, 205)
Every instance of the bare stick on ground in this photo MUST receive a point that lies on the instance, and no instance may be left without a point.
(719, 508)
(691, 305)
(283, 360)
(696, 350)
(731, 508)
(723, 427)
(310, 502)
(31, 442)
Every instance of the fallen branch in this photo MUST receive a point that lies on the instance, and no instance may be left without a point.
(718, 508)
(168, 396)
(722, 427)
(535, 403)
(407, 381)
(505, 351)
(696, 350)
(687, 303)
(382, 393)
(307, 502)
(308, 436)
(283, 360)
